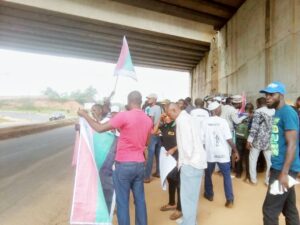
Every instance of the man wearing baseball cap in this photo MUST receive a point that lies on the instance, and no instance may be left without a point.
(285, 157)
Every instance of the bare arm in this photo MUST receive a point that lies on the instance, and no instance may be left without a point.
(171, 151)
(96, 126)
(234, 149)
(290, 137)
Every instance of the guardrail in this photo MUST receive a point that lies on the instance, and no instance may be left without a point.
(18, 131)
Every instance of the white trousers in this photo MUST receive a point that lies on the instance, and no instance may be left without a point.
(253, 156)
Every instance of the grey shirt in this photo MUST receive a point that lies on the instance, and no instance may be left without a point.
(155, 112)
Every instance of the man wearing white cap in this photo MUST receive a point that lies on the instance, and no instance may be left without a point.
(154, 145)
(218, 143)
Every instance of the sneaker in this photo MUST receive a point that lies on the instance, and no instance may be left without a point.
(209, 198)
(229, 204)
(176, 215)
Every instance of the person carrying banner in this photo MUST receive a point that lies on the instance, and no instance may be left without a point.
(135, 128)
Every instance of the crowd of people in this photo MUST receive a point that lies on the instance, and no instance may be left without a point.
(226, 135)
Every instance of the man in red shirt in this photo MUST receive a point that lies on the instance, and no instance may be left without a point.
(135, 127)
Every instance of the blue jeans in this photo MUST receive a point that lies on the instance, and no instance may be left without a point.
(190, 184)
(153, 149)
(126, 177)
(225, 170)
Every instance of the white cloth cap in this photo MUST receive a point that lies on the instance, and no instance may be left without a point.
(212, 106)
(237, 99)
(218, 98)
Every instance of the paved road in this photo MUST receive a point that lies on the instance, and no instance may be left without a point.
(29, 116)
(35, 175)
(22, 118)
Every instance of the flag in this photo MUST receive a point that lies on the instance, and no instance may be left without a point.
(244, 101)
(91, 202)
(124, 66)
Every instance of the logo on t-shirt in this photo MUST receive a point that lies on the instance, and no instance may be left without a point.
(171, 133)
(275, 137)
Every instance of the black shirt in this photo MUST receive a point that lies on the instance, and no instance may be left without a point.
(168, 139)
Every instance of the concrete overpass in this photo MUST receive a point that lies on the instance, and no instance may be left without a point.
(228, 46)
(165, 34)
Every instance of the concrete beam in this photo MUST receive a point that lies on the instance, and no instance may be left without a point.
(19, 15)
(69, 49)
(126, 15)
(112, 44)
(81, 55)
(176, 10)
(213, 8)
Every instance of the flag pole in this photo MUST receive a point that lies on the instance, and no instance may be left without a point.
(114, 90)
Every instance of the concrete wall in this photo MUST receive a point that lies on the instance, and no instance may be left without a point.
(260, 44)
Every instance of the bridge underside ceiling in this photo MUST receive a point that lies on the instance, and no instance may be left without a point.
(43, 31)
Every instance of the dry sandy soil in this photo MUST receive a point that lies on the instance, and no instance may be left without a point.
(50, 205)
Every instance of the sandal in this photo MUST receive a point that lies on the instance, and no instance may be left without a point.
(176, 215)
(167, 207)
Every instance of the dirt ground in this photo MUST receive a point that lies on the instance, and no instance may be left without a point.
(51, 204)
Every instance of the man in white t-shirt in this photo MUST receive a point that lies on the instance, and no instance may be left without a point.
(199, 113)
(218, 144)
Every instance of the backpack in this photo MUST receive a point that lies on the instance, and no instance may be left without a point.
(242, 130)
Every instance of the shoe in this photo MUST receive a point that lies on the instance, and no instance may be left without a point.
(156, 175)
(238, 176)
(209, 198)
(147, 181)
(176, 215)
(229, 204)
(167, 208)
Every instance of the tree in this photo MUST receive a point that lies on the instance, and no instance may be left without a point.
(51, 94)
(88, 95)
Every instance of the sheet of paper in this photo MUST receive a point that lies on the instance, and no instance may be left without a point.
(166, 164)
(276, 190)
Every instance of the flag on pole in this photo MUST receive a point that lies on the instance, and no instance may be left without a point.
(244, 101)
(124, 66)
(93, 196)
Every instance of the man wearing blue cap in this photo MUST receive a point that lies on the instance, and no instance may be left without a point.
(285, 157)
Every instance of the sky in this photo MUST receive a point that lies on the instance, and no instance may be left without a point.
(28, 74)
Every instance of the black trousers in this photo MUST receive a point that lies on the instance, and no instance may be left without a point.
(244, 157)
(285, 203)
(173, 186)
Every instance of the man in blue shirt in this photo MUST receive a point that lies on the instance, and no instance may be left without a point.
(285, 157)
